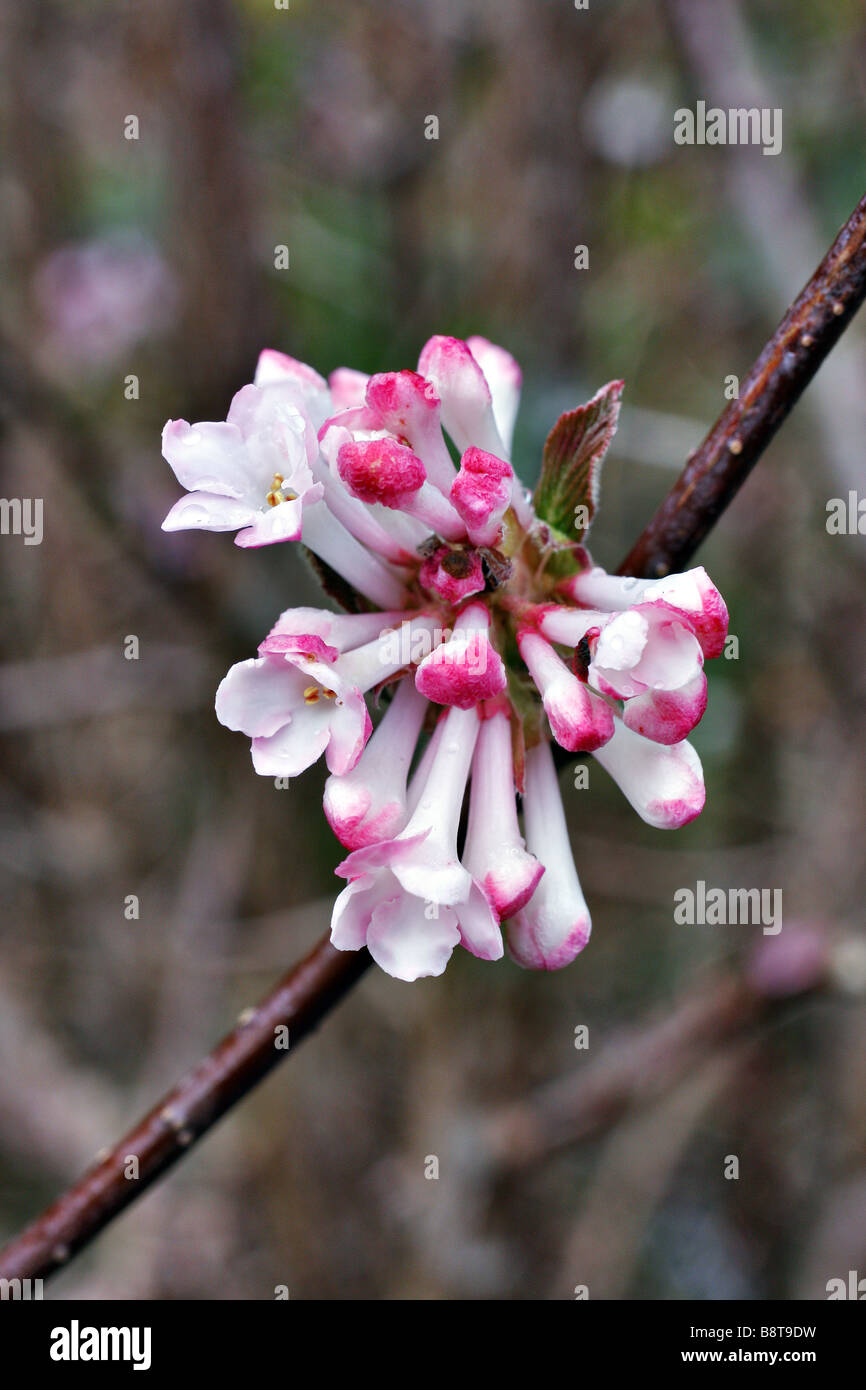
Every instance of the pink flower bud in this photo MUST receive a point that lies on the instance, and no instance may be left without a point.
(481, 492)
(380, 470)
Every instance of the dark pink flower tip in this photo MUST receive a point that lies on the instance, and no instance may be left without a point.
(481, 492)
(512, 883)
(380, 470)
(452, 574)
(667, 716)
(500, 704)
(404, 401)
(289, 644)
(580, 726)
(355, 829)
(462, 672)
(711, 624)
(580, 720)
(675, 812)
(694, 596)
(528, 947)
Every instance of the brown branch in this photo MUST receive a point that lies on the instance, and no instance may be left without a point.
(720, 465)
(187, 1112)
(711, 478)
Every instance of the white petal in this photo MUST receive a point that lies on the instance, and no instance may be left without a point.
(354, 907)
(467, 408)
(296, 746)
(479, 926)
(664, 783)
(202, 511)
(408, 944)
(257, 697)
(504, 378)
(433, 875)
(622, 641)
(281, 523)
(350, 727)
(277, 371)
(672, 656)
(208, 457)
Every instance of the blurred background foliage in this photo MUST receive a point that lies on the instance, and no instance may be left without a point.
(305, 127)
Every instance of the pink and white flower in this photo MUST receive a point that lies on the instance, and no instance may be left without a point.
(407, 935)
(398, 928)
(663, 782)
(467, 668)
(409, 899)
(250, 473)
(692, 594)
(481, 493)
(453, 573)
(302, 697)
(466, 394)
(369, 803)
(408, 406)
(424, 856)
(580, 719)
(647, 656)
(278, 369)
(460, 611)
(385, 471)
(554, 925)
(495, 852)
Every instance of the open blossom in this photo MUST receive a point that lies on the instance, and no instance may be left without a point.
(252, 472)
(648, 656)
(484, 637)
(409, 899)
(302, 697)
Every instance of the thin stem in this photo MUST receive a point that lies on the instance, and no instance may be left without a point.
(263, 1036)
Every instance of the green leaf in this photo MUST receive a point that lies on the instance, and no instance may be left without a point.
(571, 464)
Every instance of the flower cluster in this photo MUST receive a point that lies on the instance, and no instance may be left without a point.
(481, 628)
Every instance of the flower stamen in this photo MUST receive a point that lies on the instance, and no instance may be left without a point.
(278, 493)
(314, 693)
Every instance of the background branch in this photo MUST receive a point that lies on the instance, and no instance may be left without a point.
(720, 465)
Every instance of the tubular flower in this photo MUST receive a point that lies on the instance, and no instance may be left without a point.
(481, 630)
